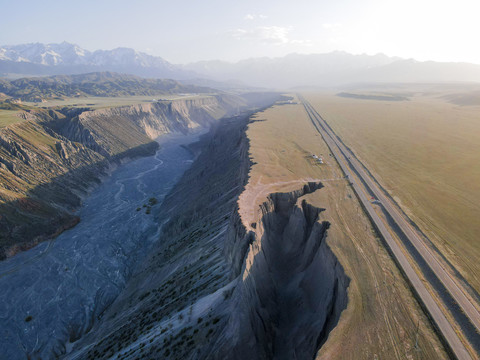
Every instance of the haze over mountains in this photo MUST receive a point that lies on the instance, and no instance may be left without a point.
(331, 69)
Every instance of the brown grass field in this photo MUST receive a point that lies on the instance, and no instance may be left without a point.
(426, 153)
(382, 317)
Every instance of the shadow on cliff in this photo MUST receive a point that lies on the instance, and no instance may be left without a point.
(291, 290)
(49, 209)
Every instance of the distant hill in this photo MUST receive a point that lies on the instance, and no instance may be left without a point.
(92, 84)
(335, 69)
(373, 97)
(291, 70)
(412, 71)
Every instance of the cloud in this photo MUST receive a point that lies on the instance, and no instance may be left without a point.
(302, 42)
(267, 34)
(331, 26)
(251, 17)
(276, 35)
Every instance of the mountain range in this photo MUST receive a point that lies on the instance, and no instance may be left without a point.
(106, 84)
(330, 69)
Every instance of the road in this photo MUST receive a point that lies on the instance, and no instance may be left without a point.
(363, 184)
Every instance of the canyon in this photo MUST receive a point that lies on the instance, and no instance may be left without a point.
(137, 234)
(212, 289)
(203, 231)
(49, 163)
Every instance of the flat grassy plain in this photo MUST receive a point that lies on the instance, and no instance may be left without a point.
(97, 102)
(382, 317)
(426, 153)
(8, 117)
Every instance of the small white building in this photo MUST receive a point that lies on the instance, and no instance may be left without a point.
(318, 158)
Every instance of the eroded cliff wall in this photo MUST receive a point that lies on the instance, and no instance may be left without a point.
(213, 290)
(291, 288)
(49, 162)
(186, 275)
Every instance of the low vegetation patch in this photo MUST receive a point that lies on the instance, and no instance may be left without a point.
(382, 97)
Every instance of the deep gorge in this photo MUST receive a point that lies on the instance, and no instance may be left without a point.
(292, 289)
(184, 280)
(212, 290)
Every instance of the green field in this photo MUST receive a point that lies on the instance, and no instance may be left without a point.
(426, 153)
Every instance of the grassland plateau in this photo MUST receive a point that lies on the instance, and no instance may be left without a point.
(282, 141)
(426, 154)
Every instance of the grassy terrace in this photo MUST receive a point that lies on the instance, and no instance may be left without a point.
(8, 117)
(96, 102)
(426, 153)
(382, 316)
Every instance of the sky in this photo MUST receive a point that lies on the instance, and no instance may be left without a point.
(184, 31)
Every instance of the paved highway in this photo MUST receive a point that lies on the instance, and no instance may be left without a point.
(366, 185)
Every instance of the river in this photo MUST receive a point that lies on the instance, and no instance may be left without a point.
(52, 293)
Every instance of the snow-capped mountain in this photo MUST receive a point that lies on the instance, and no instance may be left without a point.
(330, 69)
(46, 54)
(125, 57)
(66, 58)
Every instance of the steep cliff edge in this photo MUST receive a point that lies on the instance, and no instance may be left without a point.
(114, 131)
(187, 272)
(49, 162)
(292, 288)
(211, 289)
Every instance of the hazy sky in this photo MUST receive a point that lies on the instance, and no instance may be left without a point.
(184, 31)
